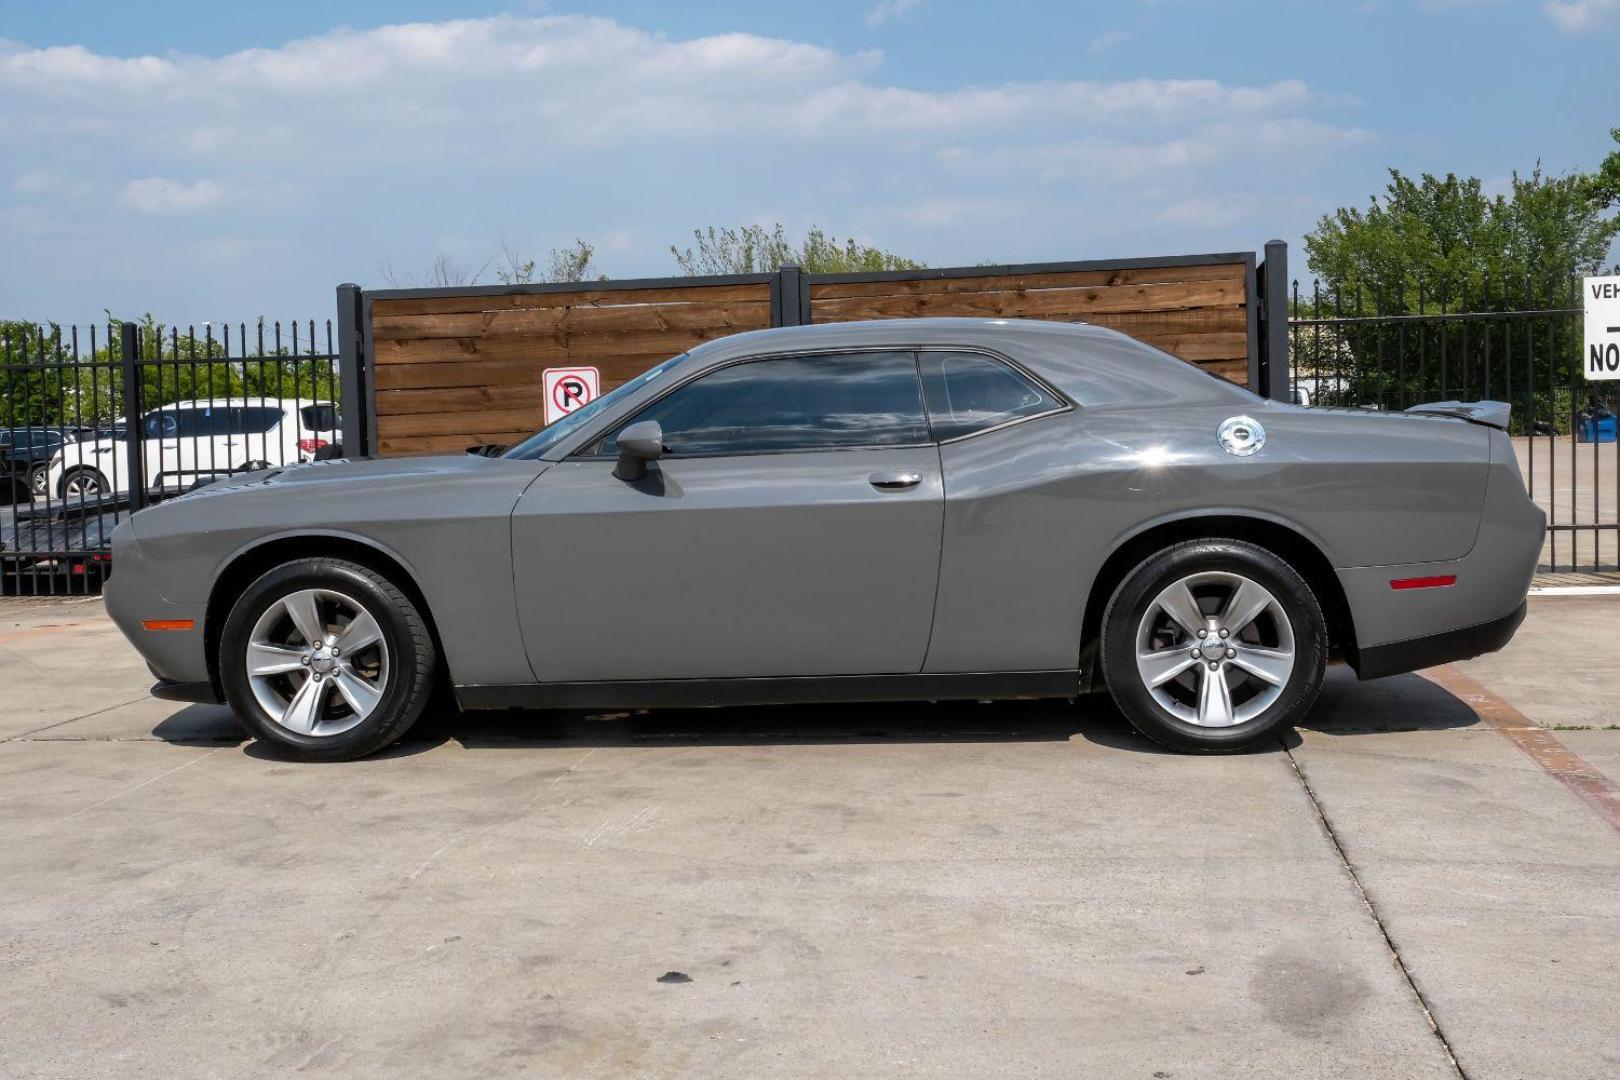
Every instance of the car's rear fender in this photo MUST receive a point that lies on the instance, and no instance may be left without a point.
(1409, 601)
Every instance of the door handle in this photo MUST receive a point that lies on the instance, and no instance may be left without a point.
(894, 481)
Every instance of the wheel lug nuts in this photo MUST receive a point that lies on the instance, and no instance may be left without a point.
(1224, 633)
(1203, 633)
(1214, 665)
(1231, 653)
(318, 674)
(335, 650)
(1195, 654)
(304, 660)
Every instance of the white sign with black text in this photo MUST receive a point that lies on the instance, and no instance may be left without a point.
(568, 389)
(1601, 298)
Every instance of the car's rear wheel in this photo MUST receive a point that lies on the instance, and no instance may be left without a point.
(326, 659)
(39, 481)
(1214, 645)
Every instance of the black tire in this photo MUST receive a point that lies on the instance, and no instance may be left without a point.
(39, 481)
(1123, 625)
(95, 475)
(409, 682)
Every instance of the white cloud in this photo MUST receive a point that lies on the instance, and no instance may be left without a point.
(1211, 210)
(886, 10)
(1105, 41)
(33, 182)
(1573, 16)
(379, 144)
(161, 195)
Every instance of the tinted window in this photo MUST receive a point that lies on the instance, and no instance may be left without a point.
(161, 425)
(794, 403)
(204, 423)
(969, 392)
(320, 417)
(254, 420)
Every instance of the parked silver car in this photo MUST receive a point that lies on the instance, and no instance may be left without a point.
(902, 510)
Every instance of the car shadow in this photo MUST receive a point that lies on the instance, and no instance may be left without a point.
(1346, 707)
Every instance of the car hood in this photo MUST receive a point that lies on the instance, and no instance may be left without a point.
(363, 473)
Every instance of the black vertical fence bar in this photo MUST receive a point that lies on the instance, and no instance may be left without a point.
(135, 472)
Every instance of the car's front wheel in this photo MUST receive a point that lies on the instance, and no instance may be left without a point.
(1214, 645)
(39, 481)
(84, 484)
(326, 659)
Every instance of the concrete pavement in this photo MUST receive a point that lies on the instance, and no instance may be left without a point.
(1008, 890)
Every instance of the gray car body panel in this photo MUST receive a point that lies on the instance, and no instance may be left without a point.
(768, 565)
(791, 566)
(444, 519)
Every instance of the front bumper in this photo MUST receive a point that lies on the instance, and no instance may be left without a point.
(197, 693)
(132, 598)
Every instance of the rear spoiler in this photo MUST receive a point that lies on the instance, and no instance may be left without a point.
(1489, 413)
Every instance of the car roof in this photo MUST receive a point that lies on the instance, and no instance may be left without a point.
(903, 332)
(284, 404)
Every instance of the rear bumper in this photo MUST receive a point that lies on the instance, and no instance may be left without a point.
(1406, 629)
(1411, 655)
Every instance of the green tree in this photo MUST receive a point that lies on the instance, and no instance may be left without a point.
(754, 249)
(1603, 186)
(564, 264)
(1437, 240)
(1436, 244)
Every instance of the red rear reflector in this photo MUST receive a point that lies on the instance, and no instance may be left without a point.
(169, 624)
(1439, 581)
(309, 446)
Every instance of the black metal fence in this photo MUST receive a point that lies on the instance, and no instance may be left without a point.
(1517, 342)
(98, 421)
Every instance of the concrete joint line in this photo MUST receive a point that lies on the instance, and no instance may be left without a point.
(1534, 741)
(1372, 910)
(28, 736)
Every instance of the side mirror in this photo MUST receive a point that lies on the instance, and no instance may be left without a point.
(638, 444)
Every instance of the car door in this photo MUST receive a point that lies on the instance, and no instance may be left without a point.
(792, 528)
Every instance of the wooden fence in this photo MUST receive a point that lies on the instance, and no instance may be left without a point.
(443, 369)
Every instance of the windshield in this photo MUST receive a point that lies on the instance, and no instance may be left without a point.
(547, 437)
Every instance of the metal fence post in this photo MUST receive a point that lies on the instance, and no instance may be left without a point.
(1273, 283)
(787, 293)
(129, 355)
(356, 404)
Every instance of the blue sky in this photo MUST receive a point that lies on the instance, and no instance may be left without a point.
(215, 161)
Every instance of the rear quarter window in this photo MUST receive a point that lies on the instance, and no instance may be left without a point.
(970, 392)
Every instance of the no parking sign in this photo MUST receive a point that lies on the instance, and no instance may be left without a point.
(1602, 296)
(568, 389)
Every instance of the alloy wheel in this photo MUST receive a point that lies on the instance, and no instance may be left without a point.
(1215, 649)
(86, 484)
(317, 662)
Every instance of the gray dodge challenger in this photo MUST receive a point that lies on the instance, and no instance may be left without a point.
(905, 510)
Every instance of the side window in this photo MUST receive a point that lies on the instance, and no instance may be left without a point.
(201, 423)
(161, 425)
(969, 392)
(817, 402)
(256, 420)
